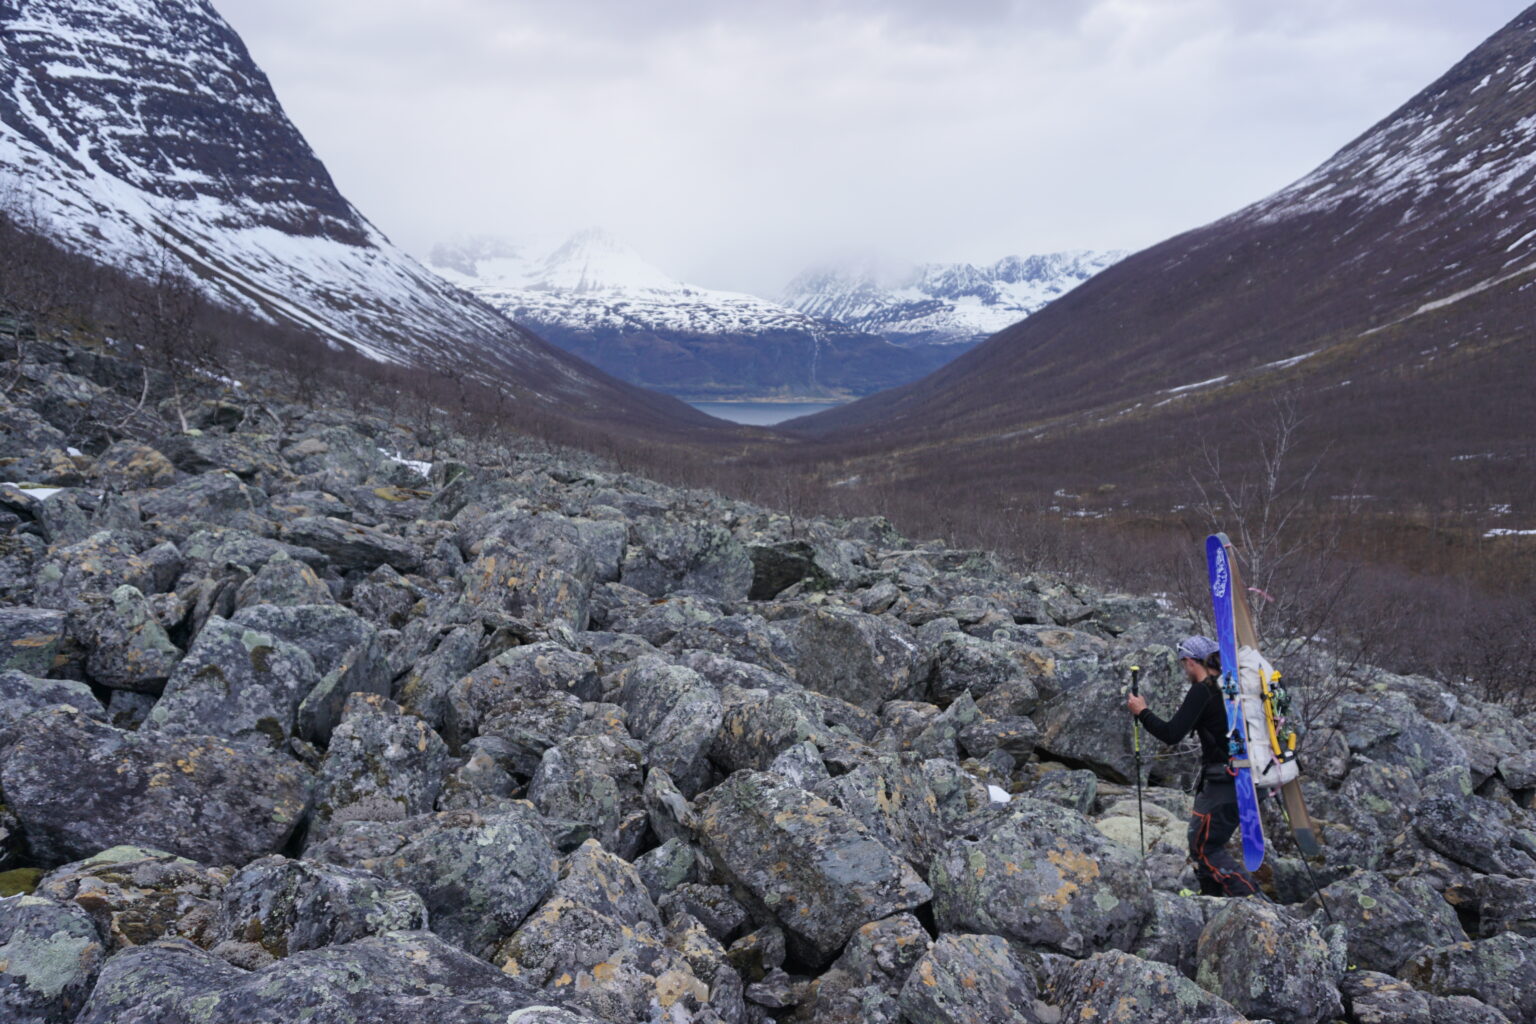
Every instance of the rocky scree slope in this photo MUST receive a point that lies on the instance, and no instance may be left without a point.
(306, 715)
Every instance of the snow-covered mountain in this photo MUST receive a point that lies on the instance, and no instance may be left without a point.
(139, 131)
(943, 303)
(597, 297)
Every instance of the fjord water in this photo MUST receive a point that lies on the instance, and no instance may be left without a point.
(761, 414)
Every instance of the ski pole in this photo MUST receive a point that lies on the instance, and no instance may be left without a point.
(1141, 822)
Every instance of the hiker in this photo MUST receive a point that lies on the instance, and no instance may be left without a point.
(1215, 815)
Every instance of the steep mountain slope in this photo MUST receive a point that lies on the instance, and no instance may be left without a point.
(943, 303)
(141, 133)
(596, 297)
(1392, 292)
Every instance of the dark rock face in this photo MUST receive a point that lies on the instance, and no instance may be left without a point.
(80, 786)
(1500, 971)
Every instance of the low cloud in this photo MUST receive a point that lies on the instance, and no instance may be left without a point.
(735, 143)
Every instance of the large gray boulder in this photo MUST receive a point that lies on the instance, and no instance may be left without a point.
(1500, 971)
(863, 659)
(22, 694)
(1384, 923)
(816, 868)
(970, 979)
(664, 556)
(136, 896)
(286, 906)
(479, 876)
(675, 713)
(863, 985)
(237, 683)
(522, 672)
(49, 956)
(396, 978)
(352, 545)
(894, 798)
(126, 646)
(1114, 987)
(1268, 964)
(1044, 876)
(80, 786)
(29, 639)
(83, 575)
(382, 765)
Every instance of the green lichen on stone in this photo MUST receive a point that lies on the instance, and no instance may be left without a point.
(19, 880)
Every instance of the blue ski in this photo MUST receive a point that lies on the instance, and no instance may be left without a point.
(1237, 740)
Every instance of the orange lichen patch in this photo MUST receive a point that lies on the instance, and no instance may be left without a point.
(674, 986)
(605, 970)
(925, 974)
(1075, 869)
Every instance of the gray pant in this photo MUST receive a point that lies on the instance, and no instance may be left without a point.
(1210, 828)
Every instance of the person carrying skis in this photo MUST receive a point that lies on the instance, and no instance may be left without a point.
(1215, 813)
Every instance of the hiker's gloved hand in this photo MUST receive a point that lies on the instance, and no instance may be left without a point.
(1136, 704)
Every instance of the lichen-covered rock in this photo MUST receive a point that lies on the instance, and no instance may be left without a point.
(478, 876)
(22, 694)
(599, 939)
(80, 786)
(218, 498)
(894, 798)
(49, 956)
(815, 867)
(1386, 924)
(1114, 987)
(528, 671)
(863, 659)
(83, 575)
(1469, 831)
(126, 646)
(286, 906)
(970, 979)
(1086, 726)
(29, 639)
(964, 663)
(283, 580)
(237, 683)
(424, 690)
(1172, 934)
(863, 984)
(675, 713)
(1490, 904)
(382, 765)
(520, 729)
(664, 557)
(1500, 971)
(136, 896)
(756, 726)
(352, 545)
(1269, 964)
(594, 780)
(130, 465)
(1372, 998)
(1042, 875)
(396, 978)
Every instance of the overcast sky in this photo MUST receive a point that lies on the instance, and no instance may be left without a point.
(735, 141)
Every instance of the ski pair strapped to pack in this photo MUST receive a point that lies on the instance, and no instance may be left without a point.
(1258, 707)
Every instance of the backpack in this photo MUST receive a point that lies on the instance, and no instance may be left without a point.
(1265, 704)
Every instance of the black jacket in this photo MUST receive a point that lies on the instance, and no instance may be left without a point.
(1203, 713)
